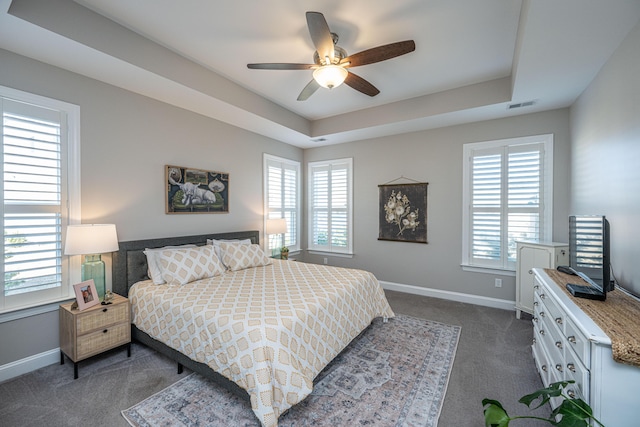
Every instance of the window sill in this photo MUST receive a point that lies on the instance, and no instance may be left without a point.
(21, 313)
(335, 254)
(488, 270)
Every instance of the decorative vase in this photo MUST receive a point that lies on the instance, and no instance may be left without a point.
(284, 254)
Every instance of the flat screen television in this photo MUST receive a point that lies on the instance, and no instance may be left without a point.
(589, 255)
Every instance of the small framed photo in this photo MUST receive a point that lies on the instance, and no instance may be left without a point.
(86, 294)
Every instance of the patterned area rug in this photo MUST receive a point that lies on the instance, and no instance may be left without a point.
(393, 374)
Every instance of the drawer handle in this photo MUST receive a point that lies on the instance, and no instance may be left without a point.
(542, 314)
(536, 287)
(572, 339)
(544, 368)
(105, 331)
(559, 344)
(104, 310)
(543, 296)
(559, 367)
(571, 367)
(541, 331)
(530, 271)
(571, 393)
(559, 320)
(535, 303)
(534, 340)
(535, 319)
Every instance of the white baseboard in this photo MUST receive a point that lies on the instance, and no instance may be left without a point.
(28, 364)
(452, 296)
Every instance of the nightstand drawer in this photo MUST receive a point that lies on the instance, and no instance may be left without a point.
(105, 316)
(102, 340)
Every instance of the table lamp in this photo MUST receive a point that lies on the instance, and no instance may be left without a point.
(276, 226)
(92, 240)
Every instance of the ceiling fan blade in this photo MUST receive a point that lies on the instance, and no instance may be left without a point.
(361, 85)
(380, 53)
(308, 90)
(320, 35)
(280, 66)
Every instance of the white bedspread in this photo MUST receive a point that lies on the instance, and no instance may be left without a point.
(269, 329)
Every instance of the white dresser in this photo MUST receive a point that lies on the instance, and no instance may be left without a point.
(532, 254)
(568, 345)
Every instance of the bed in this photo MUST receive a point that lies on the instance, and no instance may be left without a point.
(263, 328)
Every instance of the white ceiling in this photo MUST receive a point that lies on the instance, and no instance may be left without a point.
(472, 59)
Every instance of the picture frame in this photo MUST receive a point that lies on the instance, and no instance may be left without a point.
(403, 212)
(191, 191)
(86, 294)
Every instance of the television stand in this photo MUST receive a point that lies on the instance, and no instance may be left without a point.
(586, 291)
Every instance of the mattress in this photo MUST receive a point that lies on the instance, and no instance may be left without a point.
(269, 329)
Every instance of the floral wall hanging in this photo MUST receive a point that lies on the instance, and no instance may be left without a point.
(403, 212)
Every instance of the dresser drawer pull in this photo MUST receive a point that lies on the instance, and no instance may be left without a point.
(535, 319)
(559, 367)
(559, 344)
(541, 331)
(104, 310)
(543, 296)
(571, 367)
(544, 368)
(572, 339)
(536, 287)
(542, 314)
(535, 303)
(571, 393)
(559, 320)
(534, 340)
(530, 271)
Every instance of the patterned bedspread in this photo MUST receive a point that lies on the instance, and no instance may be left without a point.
(269, 329)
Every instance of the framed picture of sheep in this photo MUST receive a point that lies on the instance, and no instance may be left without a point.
(192, 191)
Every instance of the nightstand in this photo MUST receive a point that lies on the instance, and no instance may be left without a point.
(89, 332)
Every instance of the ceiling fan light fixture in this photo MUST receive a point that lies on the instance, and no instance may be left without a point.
(330, 76)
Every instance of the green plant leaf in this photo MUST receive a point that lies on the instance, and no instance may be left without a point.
(574, 412)
(544, 394)
(494, 414)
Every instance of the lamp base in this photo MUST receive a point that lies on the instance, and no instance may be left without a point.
(93, 268)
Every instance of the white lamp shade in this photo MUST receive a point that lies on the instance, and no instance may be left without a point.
(88, 239)
(276, 226)
(330, 76)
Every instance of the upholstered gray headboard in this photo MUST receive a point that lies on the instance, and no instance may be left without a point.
(130, 262)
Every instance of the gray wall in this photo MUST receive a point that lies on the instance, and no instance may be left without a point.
(435, 156)
(126, 141)
(605, 156)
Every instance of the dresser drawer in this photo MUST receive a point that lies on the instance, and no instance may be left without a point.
(102, 340)
(97, 319)
(577, 342)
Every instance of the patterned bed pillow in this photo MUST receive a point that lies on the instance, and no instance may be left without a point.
(154, 269)
(216, 245)
(181, 266)
(237, 257)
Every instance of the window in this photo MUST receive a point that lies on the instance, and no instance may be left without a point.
(507, 196)
(330, 206)
(282, 198)
(38, 145)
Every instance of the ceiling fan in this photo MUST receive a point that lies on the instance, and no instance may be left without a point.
(331, 61)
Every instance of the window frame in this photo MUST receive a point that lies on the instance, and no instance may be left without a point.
(296, 165)
(330, 248)
(35, 302)
(502, 146)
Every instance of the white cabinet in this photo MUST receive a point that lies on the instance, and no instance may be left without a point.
(532, 254)
(568, 345)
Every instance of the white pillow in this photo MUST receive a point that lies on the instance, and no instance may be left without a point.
(216, 245)
(237, 257)
(181, 266)
(153, 265)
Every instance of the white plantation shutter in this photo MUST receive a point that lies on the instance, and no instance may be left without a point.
(282, 198)
(330, 201)
(507, 197)
(35, 209)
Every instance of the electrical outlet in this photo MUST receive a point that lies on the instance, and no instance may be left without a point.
(326, 261)
(498, 283)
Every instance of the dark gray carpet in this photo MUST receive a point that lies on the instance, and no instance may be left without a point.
(493, 360)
